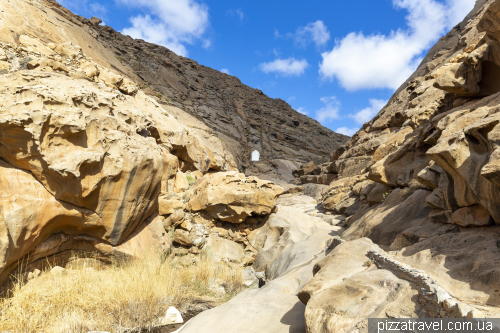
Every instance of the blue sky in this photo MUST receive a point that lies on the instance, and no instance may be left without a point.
(336, 61)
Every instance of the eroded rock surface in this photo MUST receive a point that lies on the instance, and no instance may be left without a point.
(75, 151)
(420, 182)
(290, 243)
(232, 197)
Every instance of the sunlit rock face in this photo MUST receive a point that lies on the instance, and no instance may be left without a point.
(84, 156)
(421, 179)
(232, 197)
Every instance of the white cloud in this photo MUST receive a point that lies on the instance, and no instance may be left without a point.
(302, 110)
(238, 13)
(346, 131)
(330, 110)
(291, 98)
(285, 67)
(361, 61)
(225, 70)
(206, 43)
(98, 9)
(276, 52)
(314, 31)
(174, 24)
(277, 34)
(368, 113)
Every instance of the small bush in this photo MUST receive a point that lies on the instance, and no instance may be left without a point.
(385, 195)
(191, 180)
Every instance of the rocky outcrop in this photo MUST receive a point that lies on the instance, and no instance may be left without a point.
(232, 197)
(419, 181)
(243, 117)
(76, 147)
(289, 244)
(347, 289)
(92, 161)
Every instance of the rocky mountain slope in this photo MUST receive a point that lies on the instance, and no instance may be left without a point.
(242, 117)
(420, 181)
(416, 190)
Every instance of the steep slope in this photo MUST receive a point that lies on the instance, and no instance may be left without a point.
(88, 161)
(244, 118)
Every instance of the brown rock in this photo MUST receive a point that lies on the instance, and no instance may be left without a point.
(472, 216)
(4, 65)
(69, 50)
(89, 68)
(149, 238)
(109, 78)
(186, 225)
(128, 87)
(182, 237)
(168, 205)
(224, 250)
(95, 20)
(181, 183)
(232, 197)
(308, 168)
(174, 219)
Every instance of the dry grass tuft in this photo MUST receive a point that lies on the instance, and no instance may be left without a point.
(124, 298)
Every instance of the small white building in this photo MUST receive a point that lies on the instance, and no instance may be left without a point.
(255, 156)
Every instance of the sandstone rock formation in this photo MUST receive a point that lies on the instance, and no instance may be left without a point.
(401, 222)
(75, 151)
(232, 197)
(420, 181)
(243, 118)
(289, 245)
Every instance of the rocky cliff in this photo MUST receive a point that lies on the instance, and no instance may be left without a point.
(87, 159)
(415, 193)
(242, 117)
(420, 180)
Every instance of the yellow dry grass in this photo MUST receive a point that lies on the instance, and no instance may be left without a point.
(125, 298)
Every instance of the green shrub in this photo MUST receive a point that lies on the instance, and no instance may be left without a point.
(191, 180)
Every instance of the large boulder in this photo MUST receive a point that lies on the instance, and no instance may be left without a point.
(221, 249)
(59, 129)
(232, 197)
